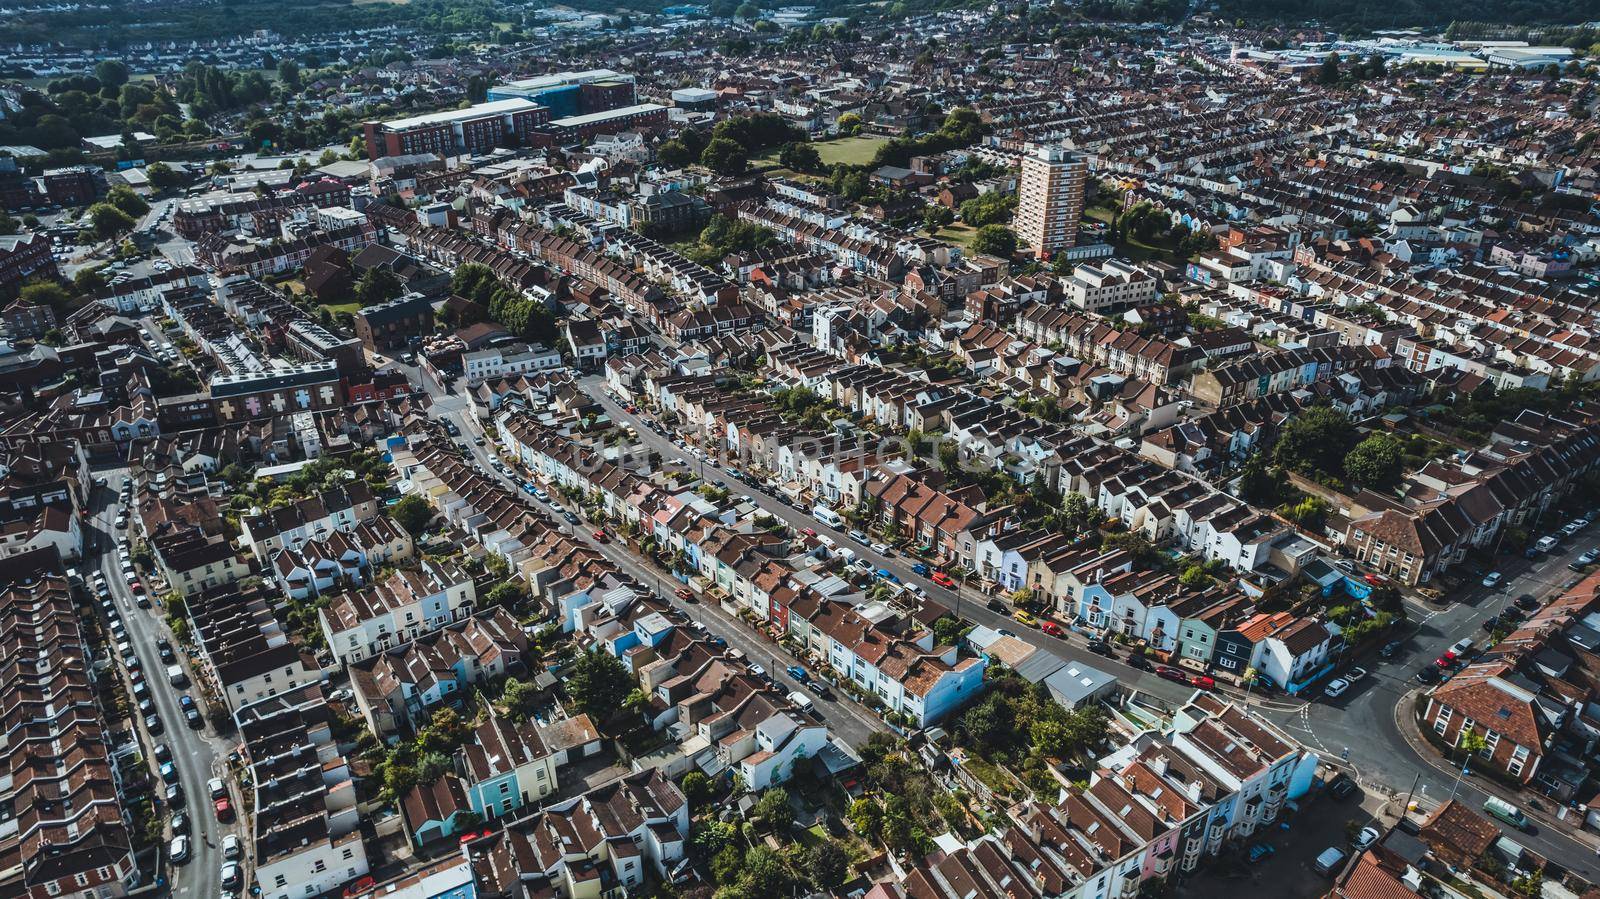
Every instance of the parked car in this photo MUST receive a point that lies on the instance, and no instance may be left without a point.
(1051, 628)
(1335, 688)
(1428, 674)
(1492, 579)
(918, 568)
(1138, 661)
(178, 849)
(1341, 786)
(1203, 682)
(1261, 852)
(224, 809)
(1391, 648)
(230, 846)
(1526, 601)
(1366, 838)
(1024, 617)
(1587, 558)
(1172, 674)
(943, 580)
(999, 607)
(798, 673)
(600, 537)
(180, 822)
(1355, 674)
(216, 788)
(1102, 647)
(1462, 646)
(230, 874)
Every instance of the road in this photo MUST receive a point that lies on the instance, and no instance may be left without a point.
(197, 754)
(847, 720)
(1359, 725)
(968, 603)
(1362, 722)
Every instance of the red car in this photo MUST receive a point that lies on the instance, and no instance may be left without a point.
(1372, 579)
(600, 537)
(809, 532)
(224, 809)
(1203, 682)
(682, 593)
(360, 886)
(943, 580)
(1051, 628)
(1172, 674)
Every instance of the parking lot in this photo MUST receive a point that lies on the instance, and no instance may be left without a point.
(1289, 872)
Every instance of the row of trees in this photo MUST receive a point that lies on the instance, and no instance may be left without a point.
(729, 146)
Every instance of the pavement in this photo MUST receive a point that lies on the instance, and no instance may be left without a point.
(198, 754)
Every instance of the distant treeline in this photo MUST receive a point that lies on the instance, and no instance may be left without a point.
(1356, 14)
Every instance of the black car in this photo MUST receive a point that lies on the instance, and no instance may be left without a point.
(1139, 662)
(1526, 601)
(1101, 647)
(191, 717)
(1341, 787)
(999, 607)
(1489, 624)
(152, 723)
(1391, 648)
(163, 753)
(819, 689)
(1428, 674)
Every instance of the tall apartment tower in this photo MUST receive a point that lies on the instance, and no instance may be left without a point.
(1050, 200)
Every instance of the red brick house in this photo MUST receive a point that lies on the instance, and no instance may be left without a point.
(1508, 717)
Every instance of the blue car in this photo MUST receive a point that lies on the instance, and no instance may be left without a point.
(1261, 851)
(920, 569)
(528, 488)
(887, 575)
(798, 673)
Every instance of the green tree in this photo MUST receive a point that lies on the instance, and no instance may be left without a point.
(827, 865)
(724, 156)
(107, 220)
(289, 74)
(992, 208)
(1328, 71)
(1377, 461)
(378, 285)
(1317, 441)
(598, 684)
(995, 240)
(676, 154)
(519, 698)
(111, 73)
(936, 217)
(506, 594)
(123, 197)
(696, 789)
(800, 156)
(1195, 578)
(163, 176)
(772, 809)
(46, 293)
(1260, 484)
(413, 513)
(444, 732)
(867, 818)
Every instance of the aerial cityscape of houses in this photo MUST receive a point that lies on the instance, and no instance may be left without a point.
(989, 452)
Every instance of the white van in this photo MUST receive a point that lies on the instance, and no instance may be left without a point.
(827, 516)
(802, 702)
(847, 554)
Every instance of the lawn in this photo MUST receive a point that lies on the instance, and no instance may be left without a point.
(960, 234)
(848, 150)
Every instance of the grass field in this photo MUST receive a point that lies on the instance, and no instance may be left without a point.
(848, 150)
(960, 234)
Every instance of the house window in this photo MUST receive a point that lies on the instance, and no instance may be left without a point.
(1442, 721)
(1519, 758)
(1490, 741)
